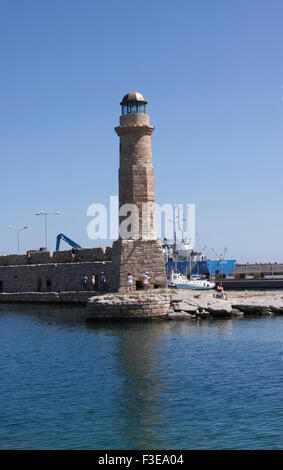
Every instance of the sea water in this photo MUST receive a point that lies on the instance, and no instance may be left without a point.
(66, 384)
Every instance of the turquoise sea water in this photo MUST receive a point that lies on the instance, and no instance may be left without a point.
(160, 385)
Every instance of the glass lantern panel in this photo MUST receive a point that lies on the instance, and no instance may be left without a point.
(141, 108)
(132, 108)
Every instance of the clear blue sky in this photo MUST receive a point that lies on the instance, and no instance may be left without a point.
(212, 72)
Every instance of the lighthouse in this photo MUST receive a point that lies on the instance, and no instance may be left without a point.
(137, 250)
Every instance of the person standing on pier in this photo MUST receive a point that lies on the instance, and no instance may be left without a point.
(93, 281)
(103, 280)
(130, 282)
(146, 280)
(84, 281)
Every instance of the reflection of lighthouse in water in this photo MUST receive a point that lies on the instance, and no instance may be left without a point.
(150, 402)
(144, 375)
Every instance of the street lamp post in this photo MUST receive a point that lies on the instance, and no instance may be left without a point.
(45, 221)
(18, 229)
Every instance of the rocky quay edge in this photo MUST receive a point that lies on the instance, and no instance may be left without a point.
(183, 306)
(162, 304)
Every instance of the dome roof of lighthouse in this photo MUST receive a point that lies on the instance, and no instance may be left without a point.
(133, 96)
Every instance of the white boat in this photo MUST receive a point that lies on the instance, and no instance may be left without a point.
(177, 281)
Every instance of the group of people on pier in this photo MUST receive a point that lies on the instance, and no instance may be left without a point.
(101, 283)
(145, 281)
(95, 285)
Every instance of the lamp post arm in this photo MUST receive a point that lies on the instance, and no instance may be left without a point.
(46, 231)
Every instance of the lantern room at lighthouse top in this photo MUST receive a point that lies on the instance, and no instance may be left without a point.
(133, 103)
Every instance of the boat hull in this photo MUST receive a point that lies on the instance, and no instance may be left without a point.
(192, 287)
(177, 281)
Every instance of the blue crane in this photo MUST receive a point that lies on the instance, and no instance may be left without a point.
(60, 237)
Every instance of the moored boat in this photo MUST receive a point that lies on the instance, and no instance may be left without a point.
(177, 281)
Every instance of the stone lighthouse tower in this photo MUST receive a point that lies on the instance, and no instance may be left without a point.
(137, 251)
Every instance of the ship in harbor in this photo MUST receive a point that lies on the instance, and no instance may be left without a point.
(181, 258)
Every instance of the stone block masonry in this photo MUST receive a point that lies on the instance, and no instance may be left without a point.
(137, 257)
(50, 277)
(41, 272)
(143, 306)
(66, 256)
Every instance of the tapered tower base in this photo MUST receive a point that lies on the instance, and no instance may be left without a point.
(137, 257)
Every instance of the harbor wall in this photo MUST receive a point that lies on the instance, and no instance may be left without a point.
(57, 271)
(62, 271)
(53, 277)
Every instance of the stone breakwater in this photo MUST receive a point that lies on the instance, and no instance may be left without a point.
(183, 305)
(148, 305)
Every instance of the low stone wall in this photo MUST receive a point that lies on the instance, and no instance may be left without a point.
(128, 306)
(76, 297)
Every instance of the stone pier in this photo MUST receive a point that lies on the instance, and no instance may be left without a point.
(143, 306)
